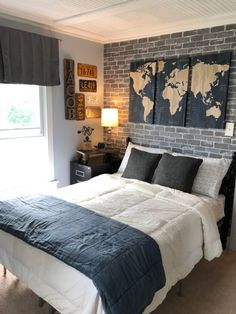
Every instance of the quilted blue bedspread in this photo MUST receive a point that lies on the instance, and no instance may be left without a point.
(124, 263)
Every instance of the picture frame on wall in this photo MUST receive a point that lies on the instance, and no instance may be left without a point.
(209, 88)
(171, 91)
(93, 112)
(142, 91)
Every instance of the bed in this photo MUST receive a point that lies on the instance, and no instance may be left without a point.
(183, 224)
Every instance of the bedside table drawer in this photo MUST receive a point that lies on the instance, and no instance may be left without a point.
(80, 172)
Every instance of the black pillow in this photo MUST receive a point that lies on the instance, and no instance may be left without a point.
(141, 165)
(177, 172)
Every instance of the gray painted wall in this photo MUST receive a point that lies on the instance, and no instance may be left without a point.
(64, 132)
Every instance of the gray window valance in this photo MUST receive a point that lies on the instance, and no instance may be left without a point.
(28, 58)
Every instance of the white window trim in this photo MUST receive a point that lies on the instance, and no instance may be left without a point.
(48, 129)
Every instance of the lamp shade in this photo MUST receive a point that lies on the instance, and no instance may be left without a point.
(109, 117)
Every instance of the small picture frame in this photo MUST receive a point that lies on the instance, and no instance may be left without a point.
(93, 112)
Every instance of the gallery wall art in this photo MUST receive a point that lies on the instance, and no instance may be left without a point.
(159, 91)
(171, 91)
(69, 89)
(142, 91)
(209, 87)
(80, 106)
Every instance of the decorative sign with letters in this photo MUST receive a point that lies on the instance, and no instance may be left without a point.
(86, 70)
(69, 89)
(88, 86)
(80, 106)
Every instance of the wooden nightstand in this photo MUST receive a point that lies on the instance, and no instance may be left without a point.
(105, 162)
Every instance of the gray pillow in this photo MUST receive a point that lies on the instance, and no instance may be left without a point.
(177, 172)
(141, 165)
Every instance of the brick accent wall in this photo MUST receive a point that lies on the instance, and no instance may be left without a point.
(194, 141)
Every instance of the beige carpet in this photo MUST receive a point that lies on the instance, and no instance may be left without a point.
(209, 289)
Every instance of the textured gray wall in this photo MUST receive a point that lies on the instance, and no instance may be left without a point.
(117, 58)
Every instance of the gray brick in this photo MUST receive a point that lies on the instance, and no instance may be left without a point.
(142, 40)
(182, 130)
(230, 39)
(201, 154)
(232, 26)
(217, 29)
(207, 143)
(166, 36)
(217, 41)
(219, 133)
(188, 136)
(203, 31)
(220, 145)
(193, 141)
(212, 155)
(194, 131)
(190, 33)
(169, 129)
(176, 35)
(203, 132)
(197, 38)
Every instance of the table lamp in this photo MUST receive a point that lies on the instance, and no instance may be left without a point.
(109, 121)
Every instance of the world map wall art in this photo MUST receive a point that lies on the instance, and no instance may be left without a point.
(159, 91)
(142, 91)
(171, 91)
(209, 87)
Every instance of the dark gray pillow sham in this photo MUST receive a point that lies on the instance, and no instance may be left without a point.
(177, 172)
(141, 165)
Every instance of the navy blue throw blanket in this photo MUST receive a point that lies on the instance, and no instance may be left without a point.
(124, 263)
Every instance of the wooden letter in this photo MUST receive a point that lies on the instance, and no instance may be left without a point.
(69, 89)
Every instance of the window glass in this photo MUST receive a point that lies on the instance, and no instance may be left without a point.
(20, 110)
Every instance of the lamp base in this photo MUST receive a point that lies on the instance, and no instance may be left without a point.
(108, 142)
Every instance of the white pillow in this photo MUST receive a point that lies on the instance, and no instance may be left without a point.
(210, 176)
(143, 148)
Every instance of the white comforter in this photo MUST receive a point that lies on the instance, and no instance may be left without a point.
(182, 224)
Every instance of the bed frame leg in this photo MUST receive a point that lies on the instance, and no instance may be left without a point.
(180, 288)
(51, 310)
(4, 271)
(41, 302)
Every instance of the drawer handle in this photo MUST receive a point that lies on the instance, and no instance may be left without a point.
(79, 173)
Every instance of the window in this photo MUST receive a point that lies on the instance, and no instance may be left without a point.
(24, 158)
(21, 110)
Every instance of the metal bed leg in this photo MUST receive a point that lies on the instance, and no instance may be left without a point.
(4, 271)
(41, 302)
(180, 288)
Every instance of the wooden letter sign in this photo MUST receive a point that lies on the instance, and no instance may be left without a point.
(87, 86)
(87, 70)
(69, 89)
(80, 106)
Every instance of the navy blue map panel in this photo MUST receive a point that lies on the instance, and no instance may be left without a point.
(171, 91)
(209, 88)
(142, 91)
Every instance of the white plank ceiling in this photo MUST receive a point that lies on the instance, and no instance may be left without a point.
(116, 20)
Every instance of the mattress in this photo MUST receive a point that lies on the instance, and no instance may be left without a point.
(180, 223)
(217, 205)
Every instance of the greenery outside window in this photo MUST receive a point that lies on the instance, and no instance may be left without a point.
(21, 110)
